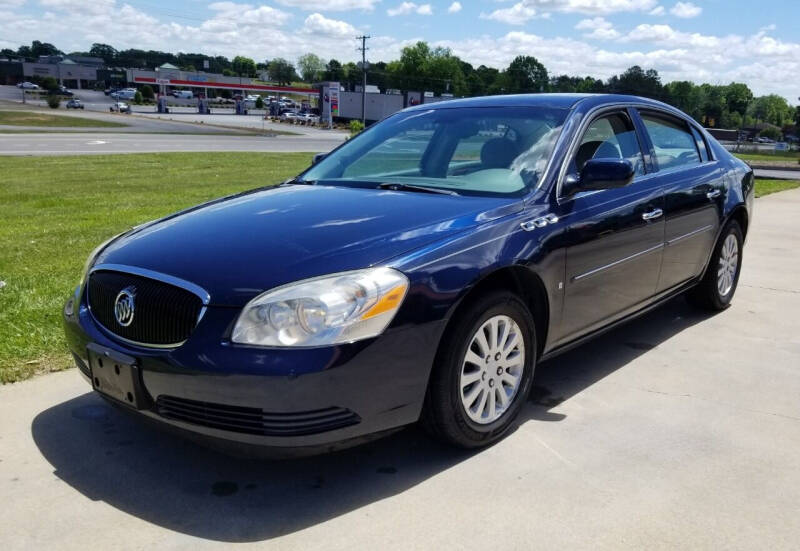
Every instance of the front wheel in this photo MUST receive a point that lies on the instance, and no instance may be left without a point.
(715, 291)
(483, 372)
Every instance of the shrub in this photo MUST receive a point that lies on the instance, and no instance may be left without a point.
(49, 83)
(53, 101)
(356, 127)
(771, 133)
(147, 92)
(137, 98)
(260, 103)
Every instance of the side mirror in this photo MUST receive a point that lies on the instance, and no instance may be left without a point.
(605, 174)
(317, 158)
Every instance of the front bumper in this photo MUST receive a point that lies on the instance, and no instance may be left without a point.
(289, 401)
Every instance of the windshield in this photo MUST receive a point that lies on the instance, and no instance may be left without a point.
(497, 151)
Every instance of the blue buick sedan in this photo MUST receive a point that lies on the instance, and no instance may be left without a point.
(416, 273)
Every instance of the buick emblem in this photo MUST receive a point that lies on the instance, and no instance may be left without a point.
(124, 306)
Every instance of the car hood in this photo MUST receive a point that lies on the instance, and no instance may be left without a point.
(238, 247)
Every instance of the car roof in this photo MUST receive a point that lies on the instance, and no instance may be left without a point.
(557, 101)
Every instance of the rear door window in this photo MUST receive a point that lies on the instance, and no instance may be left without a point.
(673, 142)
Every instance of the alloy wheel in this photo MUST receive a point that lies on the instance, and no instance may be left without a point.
(492, 369)
(728, 265)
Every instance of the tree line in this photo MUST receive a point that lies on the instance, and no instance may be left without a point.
(436, 69)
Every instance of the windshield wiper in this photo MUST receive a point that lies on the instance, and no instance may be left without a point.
(411, 187)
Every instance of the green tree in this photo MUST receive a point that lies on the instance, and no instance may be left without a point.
(738, 96)
(24, 52)
(351, 75)
(259, 103)
(53, 101)
(714, 105)
(638, 82)
(311, 67)
(104, 51)
(773, 109)
(422, 68)
(333, 71)
(243, 66)
(525, 75)
(770, 132)
(281, 71)
(49, 83)
(147, 92)
(43, 48)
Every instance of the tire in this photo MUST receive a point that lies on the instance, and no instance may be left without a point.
(445, 414)
(714, 292)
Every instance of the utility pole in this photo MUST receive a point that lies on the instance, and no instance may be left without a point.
(363, 49)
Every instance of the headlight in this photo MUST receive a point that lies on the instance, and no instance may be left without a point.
(93, 256)
(327, 310)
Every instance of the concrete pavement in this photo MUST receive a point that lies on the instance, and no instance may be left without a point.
(93, 143)
(776, 174)
(681, 430)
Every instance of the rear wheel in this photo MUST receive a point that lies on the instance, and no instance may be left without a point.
(483, 372)
(718, 286)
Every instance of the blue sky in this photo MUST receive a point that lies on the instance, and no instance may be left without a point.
(713, 41)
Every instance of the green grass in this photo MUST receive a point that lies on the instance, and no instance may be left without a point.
(33, 118)
(765, 187)
(57, 209)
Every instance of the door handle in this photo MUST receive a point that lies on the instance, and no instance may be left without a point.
(713, 194)
(653, 214)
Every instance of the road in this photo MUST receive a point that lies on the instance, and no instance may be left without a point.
(100, 143)
(681, 430)
(776, 174)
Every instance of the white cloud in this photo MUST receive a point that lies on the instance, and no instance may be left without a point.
(330, 5)
(410, 7)
(316, 23)
(455, 7)
(518, 14)
(11, 3)
(658, 11)
(100, 6)
(686, 10)
(590, 7)
(599, 28)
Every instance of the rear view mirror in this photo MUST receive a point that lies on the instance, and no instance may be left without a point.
(605, 174)
(318, 157)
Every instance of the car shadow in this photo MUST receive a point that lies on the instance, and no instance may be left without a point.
(109, 456)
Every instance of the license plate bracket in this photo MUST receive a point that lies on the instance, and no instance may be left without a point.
(116, 375)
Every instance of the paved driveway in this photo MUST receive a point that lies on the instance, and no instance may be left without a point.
(678, 431)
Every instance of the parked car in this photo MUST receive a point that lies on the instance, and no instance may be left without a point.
(110, 90)
(61, 91)
(28, 85)
(126, 94)
(419, 271)
(308, 118)
(120, 107)
(183, 94)
(289, 116)
(74, 103)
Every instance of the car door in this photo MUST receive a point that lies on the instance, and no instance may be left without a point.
(614, 237)
(694, 189)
